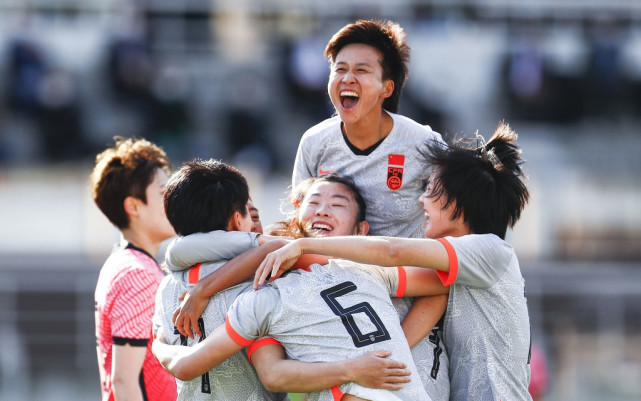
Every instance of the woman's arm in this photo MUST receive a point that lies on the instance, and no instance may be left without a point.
(187, 363)
(126, 365)
(184, 252)
(285, 375)
(382, 251)
(235, 271)
(422, 317)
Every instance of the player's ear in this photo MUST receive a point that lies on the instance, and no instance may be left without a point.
(388, 88)
(235, 222)
(130, 205)
(362, 228)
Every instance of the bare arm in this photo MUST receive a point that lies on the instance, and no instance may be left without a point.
(126, 365)
(422, 317)
(382, 251)
(235, 271)
(187, 363)
(284, 375)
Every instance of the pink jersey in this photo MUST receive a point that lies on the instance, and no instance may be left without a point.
(124, 296)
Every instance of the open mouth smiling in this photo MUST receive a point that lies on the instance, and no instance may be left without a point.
(322, 228)
(349, 99)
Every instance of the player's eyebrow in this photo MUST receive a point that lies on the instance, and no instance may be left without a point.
(363, 64)
(332, 196)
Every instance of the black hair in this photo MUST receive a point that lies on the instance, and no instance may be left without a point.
(202, 196)
(295, 228)
(484, 181)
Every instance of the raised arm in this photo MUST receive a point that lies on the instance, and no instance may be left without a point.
(237, 270)
(373, 369)
(382, 251)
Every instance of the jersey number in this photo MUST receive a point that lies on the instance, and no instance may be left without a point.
(205, 386)
(330, 296)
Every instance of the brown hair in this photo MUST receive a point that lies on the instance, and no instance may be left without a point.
(126, 169)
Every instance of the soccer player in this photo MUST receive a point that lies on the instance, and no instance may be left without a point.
(368, 141)
(127, 185)
(327, 206)
(204, 196)
(325, 313)
(257, 226)
(474, 195)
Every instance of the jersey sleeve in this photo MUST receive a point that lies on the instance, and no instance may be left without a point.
(133, 306)
(184, 252)
(476, 260)
(249, 316)
(302, 169)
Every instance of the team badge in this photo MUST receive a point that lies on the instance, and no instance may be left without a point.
(395, 165)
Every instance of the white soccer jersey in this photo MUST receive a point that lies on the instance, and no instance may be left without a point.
(391, 178)
(329, 313)
(235, 378)
(487, 327)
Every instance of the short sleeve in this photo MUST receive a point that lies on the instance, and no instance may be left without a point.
(133, 305)
(482, 259)
(249, 316)
(184, 252)
(301, 169)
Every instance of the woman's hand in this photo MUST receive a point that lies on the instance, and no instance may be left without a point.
(186, 316)
(375, 370)
(277, 262)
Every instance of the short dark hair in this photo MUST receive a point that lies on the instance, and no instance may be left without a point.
(483, 181)
(203, 195)
(126, 169)
(389, 39)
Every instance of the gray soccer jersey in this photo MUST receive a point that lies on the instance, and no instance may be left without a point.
(235, 378)
(329, 313)
(487, 327)
(391, 178)
(184, 252)
(430, 356)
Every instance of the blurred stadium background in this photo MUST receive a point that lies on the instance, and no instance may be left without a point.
(242, 80)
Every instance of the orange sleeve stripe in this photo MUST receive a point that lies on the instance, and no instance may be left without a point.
(337, 394)
(448, 278)
(402, 282)
(260, 343)
(238, 339)
(194, 272)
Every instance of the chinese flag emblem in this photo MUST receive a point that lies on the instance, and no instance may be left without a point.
(395, 165)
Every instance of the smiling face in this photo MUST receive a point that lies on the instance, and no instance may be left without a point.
(356, 86)
(439, 221)
(330, 210)
(257, 225)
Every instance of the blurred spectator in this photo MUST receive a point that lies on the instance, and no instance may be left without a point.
(247, 122)
(306, 75)
(26, 70)
(169, 124)
(604, 73)
(59, 116)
